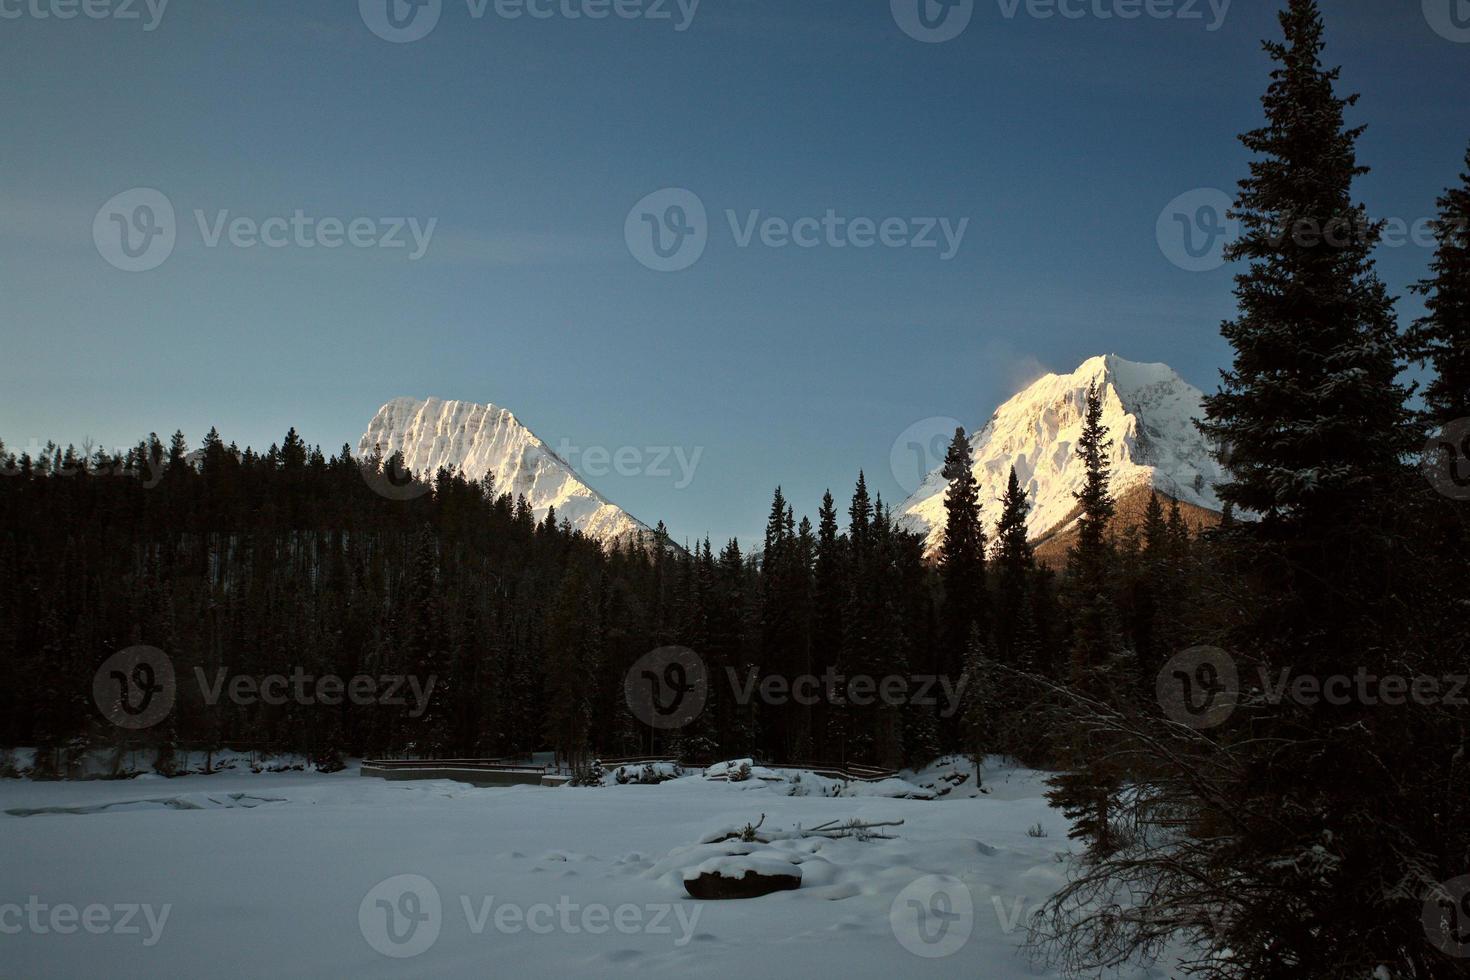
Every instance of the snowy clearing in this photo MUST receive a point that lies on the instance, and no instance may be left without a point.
(301, 874)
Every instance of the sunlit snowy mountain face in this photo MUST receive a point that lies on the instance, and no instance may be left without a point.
(1149, 411)
(476, 440)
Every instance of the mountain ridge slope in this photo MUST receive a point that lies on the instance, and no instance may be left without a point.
(1149, 411)
(479, 439)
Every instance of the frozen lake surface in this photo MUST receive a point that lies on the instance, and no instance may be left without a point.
(309, 875)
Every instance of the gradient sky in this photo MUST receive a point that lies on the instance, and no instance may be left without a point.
(529, 140)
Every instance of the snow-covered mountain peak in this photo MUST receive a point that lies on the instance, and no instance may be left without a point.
(479, 439)
(1149, 411)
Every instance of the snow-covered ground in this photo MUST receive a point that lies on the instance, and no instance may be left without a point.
(301, 874)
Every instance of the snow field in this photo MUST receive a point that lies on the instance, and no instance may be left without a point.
(304, 874)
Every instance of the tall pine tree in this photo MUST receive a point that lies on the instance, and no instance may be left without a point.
(1303, 835)
(1442, 337)
(1085, 791)
(961, 562)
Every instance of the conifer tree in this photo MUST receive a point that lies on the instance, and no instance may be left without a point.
(860, 514)
(961, 559)
(1178, 531)
(1314, 426)
(864, 623)
(779, 622)
(1298, 839)
(1153, 587)
(1089, 563)
(1155, 527)
(569, 668)
(293, 451)
(1310, 415)
(979, 705)
(1014, 561)
(829, 588)
(178, 450)
(1085, 790)
(1442, 337)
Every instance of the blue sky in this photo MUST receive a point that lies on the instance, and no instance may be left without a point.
(528, 142)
